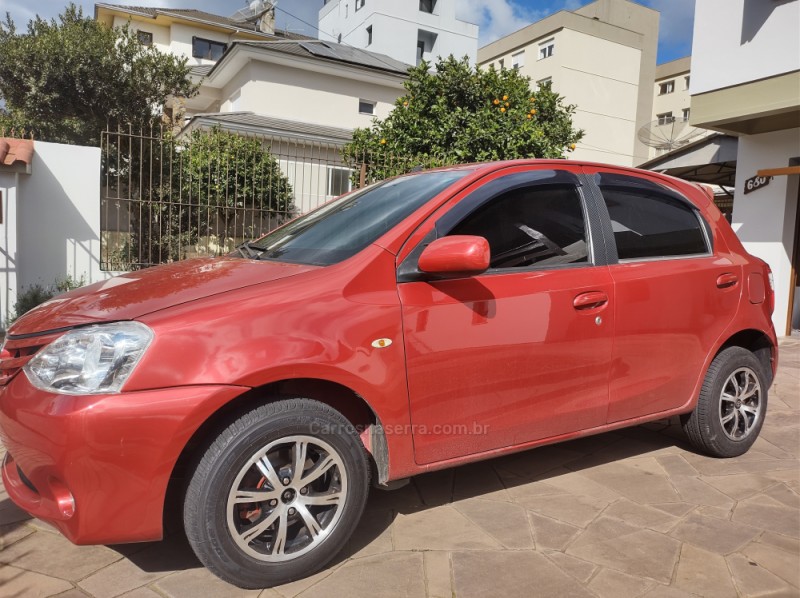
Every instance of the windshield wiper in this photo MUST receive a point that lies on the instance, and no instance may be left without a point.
(249, 250)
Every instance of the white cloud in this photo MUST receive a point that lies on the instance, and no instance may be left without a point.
(497, 18)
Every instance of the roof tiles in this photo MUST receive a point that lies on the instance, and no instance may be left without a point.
(13, 151)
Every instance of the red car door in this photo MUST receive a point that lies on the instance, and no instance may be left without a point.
(522, 351)
(676, 288)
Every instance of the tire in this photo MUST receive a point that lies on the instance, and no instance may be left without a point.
(253, 517)
(732, 405)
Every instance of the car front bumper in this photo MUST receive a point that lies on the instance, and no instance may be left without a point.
(97, 467)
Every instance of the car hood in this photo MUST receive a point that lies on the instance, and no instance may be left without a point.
(137, 293)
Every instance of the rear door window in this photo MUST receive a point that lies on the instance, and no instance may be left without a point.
(651, 221)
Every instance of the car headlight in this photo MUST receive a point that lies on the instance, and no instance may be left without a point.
(92, 360)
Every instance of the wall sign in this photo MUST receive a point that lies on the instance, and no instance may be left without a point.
(755, 183)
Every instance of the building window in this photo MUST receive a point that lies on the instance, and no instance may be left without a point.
(208, 49)
(145, 37)
(546, 81)
(686, 82)
(665, 119)
(666, 87)
(339, 181)
(426, 44)
(546, 49)
(518, 60)
(427, 6)
(369, 35)
(366, 107)
(339, 38)
(686, 112)
(359, 4)
(501, 63)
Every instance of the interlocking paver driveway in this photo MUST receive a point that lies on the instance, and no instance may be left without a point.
(629, 513)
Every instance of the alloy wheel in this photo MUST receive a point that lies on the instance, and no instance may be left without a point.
(287, 498)
(740, 403)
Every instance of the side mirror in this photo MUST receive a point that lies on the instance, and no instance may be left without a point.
(459, 254)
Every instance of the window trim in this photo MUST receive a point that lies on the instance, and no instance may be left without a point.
(665, 118)
(210, 42)
(148, 35)
(432, 10)
(331, 170)
(371, 103)
(549, 48)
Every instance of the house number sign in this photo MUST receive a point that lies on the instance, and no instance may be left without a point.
(755, 183)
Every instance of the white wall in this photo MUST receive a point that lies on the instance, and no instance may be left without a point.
(736, 41)
(310, 97)
(395, 27)
(8, 244)
(59, 216)
(175, 39)
(764, 219)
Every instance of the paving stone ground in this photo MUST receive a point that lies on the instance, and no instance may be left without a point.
(631, 513)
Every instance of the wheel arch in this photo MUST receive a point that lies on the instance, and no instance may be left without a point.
(759, 344)
(345, 400)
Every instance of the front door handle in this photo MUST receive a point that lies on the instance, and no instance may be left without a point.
(727, 280)
(591, 300)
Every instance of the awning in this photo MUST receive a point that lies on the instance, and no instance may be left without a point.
(710, 160)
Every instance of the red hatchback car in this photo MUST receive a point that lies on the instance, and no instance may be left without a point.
(426, 321)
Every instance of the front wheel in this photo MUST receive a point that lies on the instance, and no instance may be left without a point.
(732, 404)
(277, 494)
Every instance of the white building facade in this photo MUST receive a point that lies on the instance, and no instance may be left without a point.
(602, 58)
(746, 82)
(406, 31)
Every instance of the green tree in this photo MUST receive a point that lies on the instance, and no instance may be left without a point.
(211, 189)
(457, 114)
(66, 79)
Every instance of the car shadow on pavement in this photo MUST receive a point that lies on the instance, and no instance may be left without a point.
(436, 489)
(485, 479)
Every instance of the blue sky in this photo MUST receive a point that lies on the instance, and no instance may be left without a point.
(496, 18)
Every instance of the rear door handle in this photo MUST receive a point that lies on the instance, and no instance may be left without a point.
(591, 300)
(727, 280)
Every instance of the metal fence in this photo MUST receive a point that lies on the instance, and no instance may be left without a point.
(166, 198)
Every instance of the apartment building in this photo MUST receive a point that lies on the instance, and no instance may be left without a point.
(601, 57)
(407, 31)
(671, 96)
(669, 127)
(746, 83)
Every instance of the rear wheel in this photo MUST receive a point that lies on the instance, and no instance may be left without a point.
(732, 405)
(277, 494)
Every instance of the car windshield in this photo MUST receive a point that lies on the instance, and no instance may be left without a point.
(345, 226)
